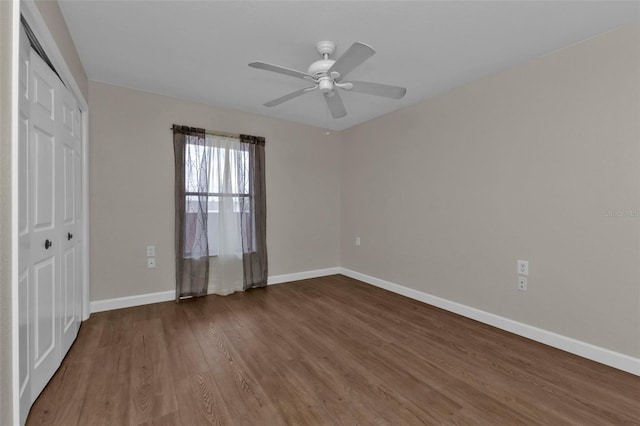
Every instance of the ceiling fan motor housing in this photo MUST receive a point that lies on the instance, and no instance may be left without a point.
(320, 67)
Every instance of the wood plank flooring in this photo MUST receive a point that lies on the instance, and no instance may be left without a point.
(326, 351)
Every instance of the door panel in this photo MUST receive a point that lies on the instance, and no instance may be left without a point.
(78, 236)
(43, 90)
(45, 227)
(23, 174)
(23, 351)
(69, 290)
(44, 179)
(24, 244)
(70, 224)
(68, 110)
(69, 214)
(45, 310)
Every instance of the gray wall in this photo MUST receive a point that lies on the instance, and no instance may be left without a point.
(6, 28)
(131, 188)
(446, 195)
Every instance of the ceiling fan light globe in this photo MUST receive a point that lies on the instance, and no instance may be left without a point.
(325, 84)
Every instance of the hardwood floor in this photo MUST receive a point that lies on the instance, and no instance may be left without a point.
(324, 351)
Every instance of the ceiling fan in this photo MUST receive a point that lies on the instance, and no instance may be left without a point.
(328, 74)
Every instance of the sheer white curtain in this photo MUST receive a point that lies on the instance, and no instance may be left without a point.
(226, 269)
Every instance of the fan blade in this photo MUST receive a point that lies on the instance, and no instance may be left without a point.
(335, 105)
(280, 70)
(354, 56)
(289, 96)
(376, 89)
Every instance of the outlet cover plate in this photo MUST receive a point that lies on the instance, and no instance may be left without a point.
(522, 284)
(151, 262)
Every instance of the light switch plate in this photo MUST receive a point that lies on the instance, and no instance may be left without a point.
(523, 267)
(151, 251)
(357, 241)
(151, 262)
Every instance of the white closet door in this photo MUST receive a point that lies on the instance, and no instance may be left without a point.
(45, 157)
(49, 224)
(71, 229)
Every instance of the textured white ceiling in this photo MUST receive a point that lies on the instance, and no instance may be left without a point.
(199, 50)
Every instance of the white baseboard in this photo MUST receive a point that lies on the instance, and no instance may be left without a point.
(129, 301)
(277, 279)
(164, 296)
(586, 350)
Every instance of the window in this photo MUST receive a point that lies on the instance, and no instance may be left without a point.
(221, 212)
(216, 178)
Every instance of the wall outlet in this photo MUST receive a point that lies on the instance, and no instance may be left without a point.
(522, 284)
(357, 241)
(151, 262)
(151, 251)
(523, 267)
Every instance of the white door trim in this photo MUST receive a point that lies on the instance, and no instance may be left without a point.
(85, 215)
(15, 271)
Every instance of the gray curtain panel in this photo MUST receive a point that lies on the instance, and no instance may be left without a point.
(254, 219)
(192, 165)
